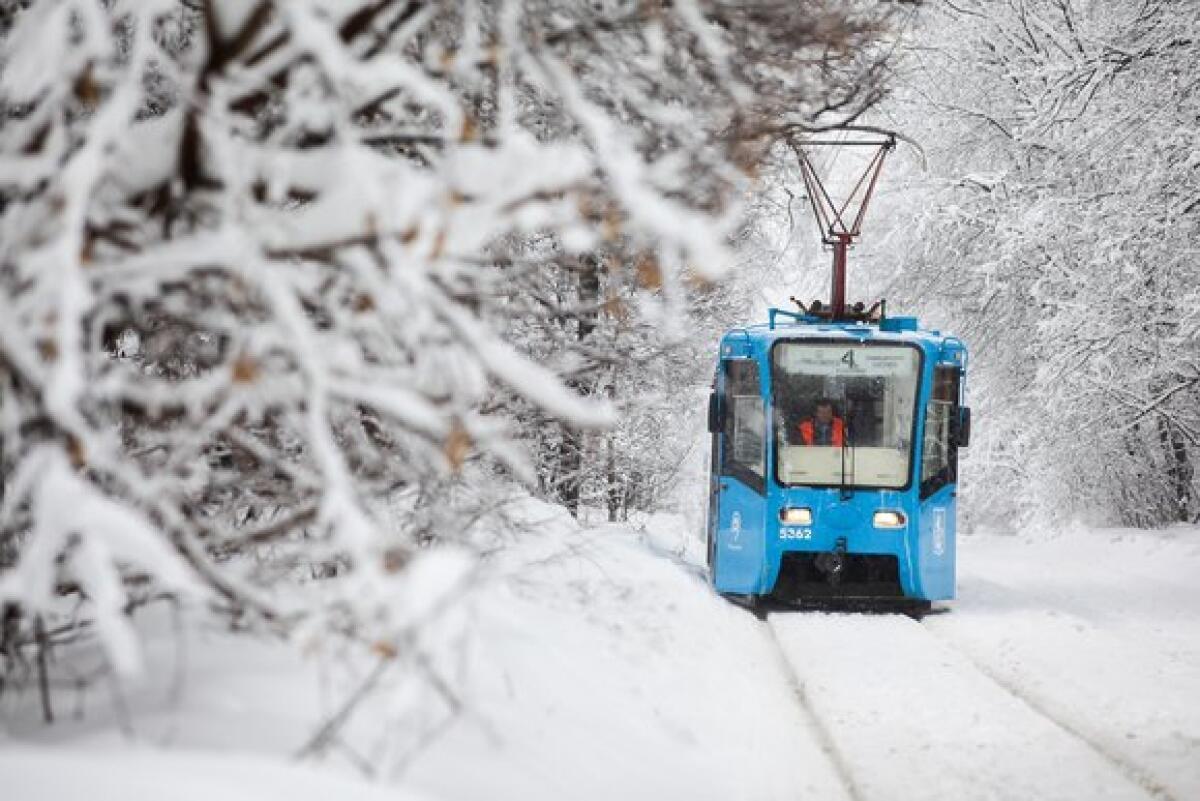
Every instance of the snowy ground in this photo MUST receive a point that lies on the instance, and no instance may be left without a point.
(602, 667)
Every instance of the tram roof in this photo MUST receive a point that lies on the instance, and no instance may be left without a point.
(895, 329)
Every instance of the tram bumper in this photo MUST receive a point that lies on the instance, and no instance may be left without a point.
(848, 557)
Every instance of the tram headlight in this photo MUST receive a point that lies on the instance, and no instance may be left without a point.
(796, 516)
(886, 518)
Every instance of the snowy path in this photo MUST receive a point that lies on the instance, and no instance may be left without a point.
(603, 666)
(1107, 644)
(1051, 677)
(902, 708)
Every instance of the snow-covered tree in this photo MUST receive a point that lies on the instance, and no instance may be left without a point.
(1055, 231)
(280, 280)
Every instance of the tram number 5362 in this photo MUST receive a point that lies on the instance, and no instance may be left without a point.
(795, 533)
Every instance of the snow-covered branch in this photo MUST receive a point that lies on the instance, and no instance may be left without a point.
(260, 266)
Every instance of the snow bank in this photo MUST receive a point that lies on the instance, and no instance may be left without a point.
(605, 668)
(64, 774)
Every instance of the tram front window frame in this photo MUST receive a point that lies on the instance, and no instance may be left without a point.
(859, 465)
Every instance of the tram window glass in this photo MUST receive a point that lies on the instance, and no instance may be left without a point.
(745, 423)
(939, 462)
(863, 437)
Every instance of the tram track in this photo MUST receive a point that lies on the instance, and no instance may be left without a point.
(1050, 757)
(821, 732)
(1131, 771)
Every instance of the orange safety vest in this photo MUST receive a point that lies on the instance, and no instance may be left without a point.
(839, 431)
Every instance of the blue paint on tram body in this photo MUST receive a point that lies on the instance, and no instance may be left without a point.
(835, 459)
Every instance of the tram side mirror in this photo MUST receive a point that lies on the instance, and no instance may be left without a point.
(714, 414)
(962, 432)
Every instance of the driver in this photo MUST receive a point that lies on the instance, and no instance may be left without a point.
(823, 428)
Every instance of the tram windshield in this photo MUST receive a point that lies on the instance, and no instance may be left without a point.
(843, 413)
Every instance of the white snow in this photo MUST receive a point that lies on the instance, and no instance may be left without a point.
(602, 666)
(905, 710)
(152, 775)
(606, 669)
(1098, 629)
(33, 52)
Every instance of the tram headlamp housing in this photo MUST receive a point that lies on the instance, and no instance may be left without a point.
(887, 518)
(796, 515)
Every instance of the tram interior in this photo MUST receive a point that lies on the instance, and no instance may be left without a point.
(876, 411)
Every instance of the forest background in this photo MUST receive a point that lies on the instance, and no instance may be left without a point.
(294, 296)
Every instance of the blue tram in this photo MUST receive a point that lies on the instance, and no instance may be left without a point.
(835, 441)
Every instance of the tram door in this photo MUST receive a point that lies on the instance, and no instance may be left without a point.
(939, 484)
(741, 482)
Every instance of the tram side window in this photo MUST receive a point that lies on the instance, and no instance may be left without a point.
(939, 464)
(745, 424)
